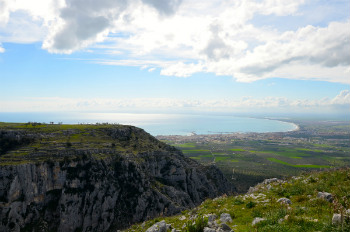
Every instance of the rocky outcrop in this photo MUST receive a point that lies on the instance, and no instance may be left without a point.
(91, 193)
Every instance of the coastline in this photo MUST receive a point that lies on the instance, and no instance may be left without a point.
(296, 126)
(172, 124)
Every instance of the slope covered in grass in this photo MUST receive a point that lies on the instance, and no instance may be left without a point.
(307, 211)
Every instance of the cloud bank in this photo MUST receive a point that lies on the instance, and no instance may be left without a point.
(183, 37)
(339, 103)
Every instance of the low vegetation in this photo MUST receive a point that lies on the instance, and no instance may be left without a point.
(22, 143)
(307, 211)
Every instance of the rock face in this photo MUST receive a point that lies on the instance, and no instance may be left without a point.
(91, 193)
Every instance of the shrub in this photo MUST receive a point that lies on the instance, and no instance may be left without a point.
(196, 226)
(68, 144)
(250, 205)
(238, 201)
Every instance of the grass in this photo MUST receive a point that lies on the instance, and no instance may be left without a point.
(298, 165)
(221, 158)
(196, 151)
(186, 145)
(248, 156)
(52, 141)
(306, 213)
(236, 149)
(290, 154)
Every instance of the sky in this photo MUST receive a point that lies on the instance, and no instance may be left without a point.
(151, 56)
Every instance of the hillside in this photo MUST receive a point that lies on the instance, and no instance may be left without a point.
(317, 201)
(95, 178)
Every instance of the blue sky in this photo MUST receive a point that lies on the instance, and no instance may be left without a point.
(175, 56)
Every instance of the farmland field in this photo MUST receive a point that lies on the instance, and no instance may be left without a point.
(247, 159)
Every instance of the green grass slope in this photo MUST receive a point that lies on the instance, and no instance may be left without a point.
(35, 142)
(307, 212)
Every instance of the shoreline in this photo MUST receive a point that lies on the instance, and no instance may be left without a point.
(149, 127)
(296, 128)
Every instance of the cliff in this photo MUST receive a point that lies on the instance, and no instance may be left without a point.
(95, 178)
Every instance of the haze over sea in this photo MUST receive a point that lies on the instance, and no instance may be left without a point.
(161, 124)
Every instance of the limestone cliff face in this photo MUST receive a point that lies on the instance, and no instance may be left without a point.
(98, 193)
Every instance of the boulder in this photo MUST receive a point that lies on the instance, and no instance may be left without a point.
(225, 227)
(158, 227)
(336, 219)
(225, 217)
(257, 220)
(285, 201)
(269, 181)
(325, 196)
(207, 229)
(211, 218)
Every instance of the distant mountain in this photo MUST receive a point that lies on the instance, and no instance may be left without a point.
(95, 178)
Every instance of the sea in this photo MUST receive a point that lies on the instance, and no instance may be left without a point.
(162, 124)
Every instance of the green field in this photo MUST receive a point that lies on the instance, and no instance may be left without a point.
(298, 165)
(255, 159)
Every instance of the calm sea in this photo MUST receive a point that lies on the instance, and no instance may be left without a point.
(161, 124)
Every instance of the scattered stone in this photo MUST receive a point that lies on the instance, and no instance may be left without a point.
(182, 218)
(257, 220)
(211, 218)
(284, 200)
(252, 190)
(325, 196)
(158, 227)
(207, 229)
(286, 217)
(218, 198)
(269, 181)
(225, 217)
(281, 220)
(336, 219)
(225, 227)
(213, 224)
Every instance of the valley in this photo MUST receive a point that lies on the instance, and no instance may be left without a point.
(249, 158)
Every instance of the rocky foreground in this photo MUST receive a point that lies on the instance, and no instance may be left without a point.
(318, 201)
(95, 178)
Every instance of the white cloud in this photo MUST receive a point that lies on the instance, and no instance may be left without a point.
(82, 23)
(341, 101)
(343, 98)
(183, 37)
(4, 13)
(181, 69)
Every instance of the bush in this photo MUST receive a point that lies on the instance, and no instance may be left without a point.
(238, 201)
(196, 226)
(250, 205)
